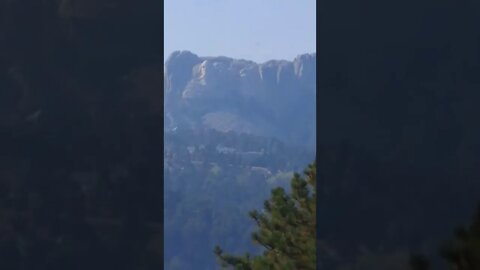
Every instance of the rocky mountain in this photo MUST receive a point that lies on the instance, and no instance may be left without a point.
(272, 99)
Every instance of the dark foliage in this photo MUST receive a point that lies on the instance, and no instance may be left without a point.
(286, 229)
(211, 180)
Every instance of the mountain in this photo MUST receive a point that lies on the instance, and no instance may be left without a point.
(272, 99)
(211, 181)
(234, 129)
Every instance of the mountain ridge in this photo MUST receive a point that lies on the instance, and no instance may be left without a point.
(260, 99)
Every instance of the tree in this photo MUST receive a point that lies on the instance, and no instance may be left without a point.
(462, 252)
(286, 229)
(419, 262)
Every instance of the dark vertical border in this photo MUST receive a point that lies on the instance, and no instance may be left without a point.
(55, 66)
(317, 127)
(162, 11)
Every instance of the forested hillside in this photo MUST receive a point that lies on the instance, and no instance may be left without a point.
(234, 129)
(212, 180)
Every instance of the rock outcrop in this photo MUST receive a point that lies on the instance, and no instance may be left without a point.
(276, 98)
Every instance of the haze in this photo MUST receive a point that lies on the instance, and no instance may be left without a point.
(249, 29)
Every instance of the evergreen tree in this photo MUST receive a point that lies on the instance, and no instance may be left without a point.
(463, 252)
(419, 262)
(286, 229)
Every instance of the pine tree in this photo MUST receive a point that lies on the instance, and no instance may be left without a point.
(419, 262)
(286, 229)
(463, 252)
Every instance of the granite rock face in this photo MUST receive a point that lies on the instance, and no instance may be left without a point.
(276, 98)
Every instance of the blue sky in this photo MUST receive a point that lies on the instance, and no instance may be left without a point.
(257, 30)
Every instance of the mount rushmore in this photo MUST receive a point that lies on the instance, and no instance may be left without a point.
(272, 99)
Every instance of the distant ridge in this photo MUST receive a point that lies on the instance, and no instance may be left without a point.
(275, 98)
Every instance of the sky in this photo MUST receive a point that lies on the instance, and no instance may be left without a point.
(257, 30)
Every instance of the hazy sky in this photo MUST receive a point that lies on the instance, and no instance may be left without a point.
(256, 30)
